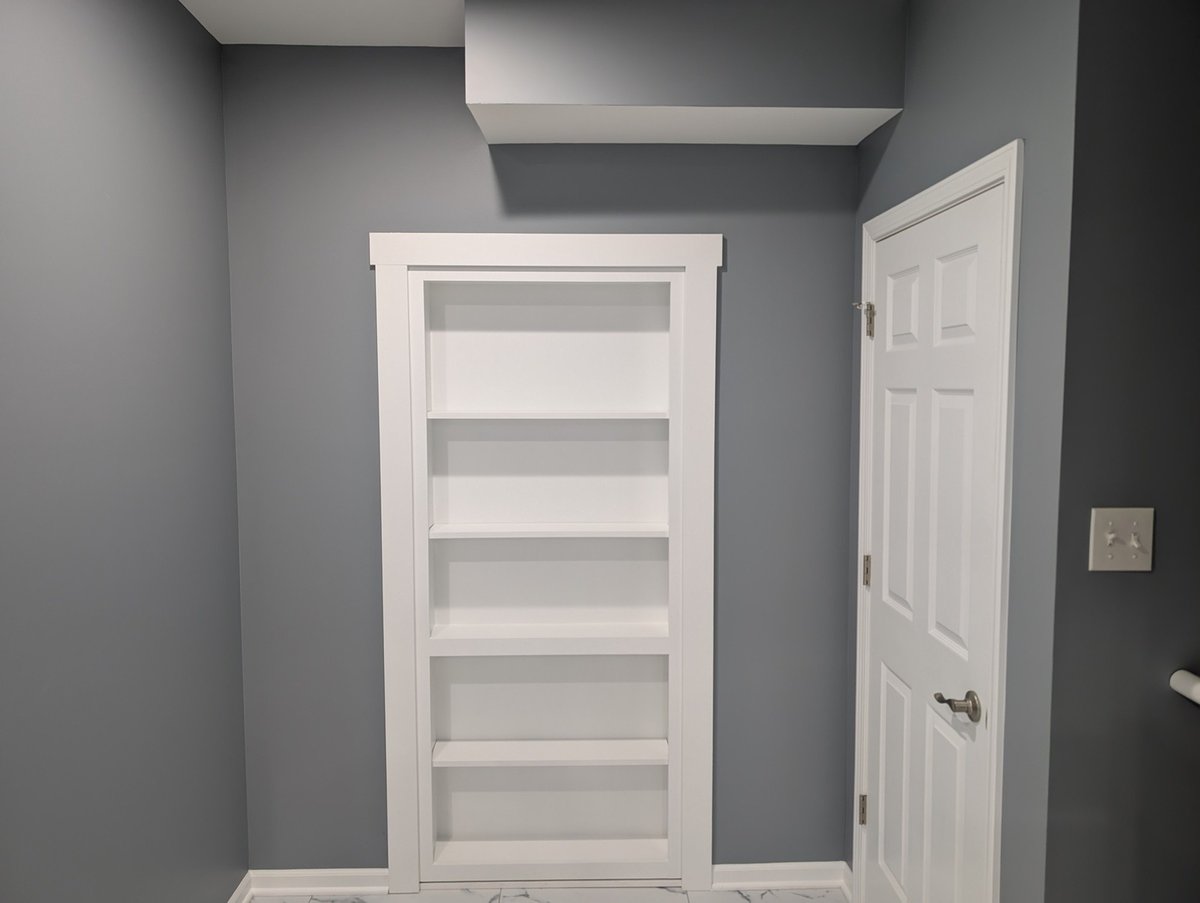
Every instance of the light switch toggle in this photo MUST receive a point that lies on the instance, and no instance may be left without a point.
(1122, 539)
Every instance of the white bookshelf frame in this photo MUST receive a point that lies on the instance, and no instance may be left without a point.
(687, 265)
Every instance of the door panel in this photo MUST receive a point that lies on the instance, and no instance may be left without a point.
(895, 728)
(937, 424)
(950, 518)
(899, 479)
(945, 805)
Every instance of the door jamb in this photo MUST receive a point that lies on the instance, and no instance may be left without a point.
(1002, 168)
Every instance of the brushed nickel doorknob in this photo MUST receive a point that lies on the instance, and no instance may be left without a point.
(969, 706)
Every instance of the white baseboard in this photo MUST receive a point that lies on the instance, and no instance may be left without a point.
(317, 882)
(243, 892)
(576, 884)
(781, 875)
(356, 882)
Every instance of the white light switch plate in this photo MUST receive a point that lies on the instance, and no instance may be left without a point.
(1122, 539)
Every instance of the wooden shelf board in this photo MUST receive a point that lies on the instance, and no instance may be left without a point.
(547, 415)
(508, 852)
(548, 531)
(611, 642)
(552, 630)
(519, 753)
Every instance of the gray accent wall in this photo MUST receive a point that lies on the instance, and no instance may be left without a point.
(979, 75)
(1124, 790)
(325, 145)
(759, 53)
(122, 774)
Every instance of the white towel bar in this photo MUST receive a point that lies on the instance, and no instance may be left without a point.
(1187, 685)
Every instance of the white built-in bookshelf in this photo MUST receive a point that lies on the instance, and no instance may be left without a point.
(546, 463)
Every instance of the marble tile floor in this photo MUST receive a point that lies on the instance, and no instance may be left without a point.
(583, 895)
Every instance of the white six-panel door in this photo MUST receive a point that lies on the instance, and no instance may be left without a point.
(935, 516)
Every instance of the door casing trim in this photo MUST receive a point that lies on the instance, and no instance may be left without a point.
(1001, 168)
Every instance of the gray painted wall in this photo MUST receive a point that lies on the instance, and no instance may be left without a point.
(1123, 785)
(979, 75)
(326, 145)
(835, 53)
(121, 749)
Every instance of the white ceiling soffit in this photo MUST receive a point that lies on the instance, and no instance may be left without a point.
(374, 23)
(590, 124)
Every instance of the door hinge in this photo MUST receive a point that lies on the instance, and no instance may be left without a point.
(866, 570)
(862, 808)
(868, 310)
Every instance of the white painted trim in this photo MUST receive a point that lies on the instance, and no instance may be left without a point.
(696, 403)
(317, 882)
(676, 589)
(243, 891)
(540, 123)
(525, 250)
(1003, 168)
(782, 875)
(399, 676)
(413, 357)
(596, 884)
(752, 876)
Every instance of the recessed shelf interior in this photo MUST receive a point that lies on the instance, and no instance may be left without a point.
(555, 753)
(548, 587)
(566, 697)
(442, 645)
(546, 630)
(536, 803)
(550, 852)
(547, 471)
(547, 346)
(599, 721)
(584, 630)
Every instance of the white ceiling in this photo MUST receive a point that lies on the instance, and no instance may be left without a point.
(378, 23)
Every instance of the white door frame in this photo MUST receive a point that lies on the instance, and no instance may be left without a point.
(1001, 168)
(692, 262)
